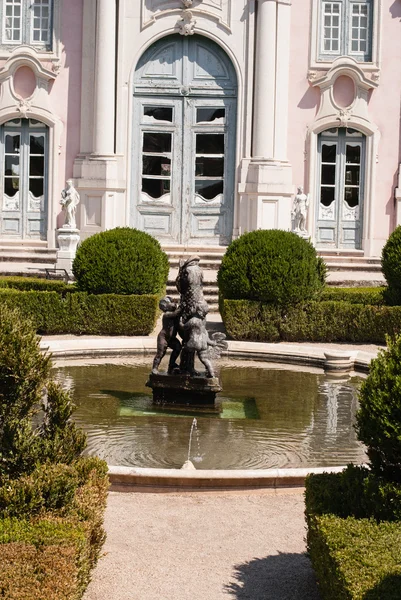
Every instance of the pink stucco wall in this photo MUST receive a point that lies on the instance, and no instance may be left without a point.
(384, 109)
(66, 91)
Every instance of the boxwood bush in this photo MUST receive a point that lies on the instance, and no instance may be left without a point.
(121, 261)
(52, 500)
(271, 266)
(391, 267)
(379, 415)
(354, 517)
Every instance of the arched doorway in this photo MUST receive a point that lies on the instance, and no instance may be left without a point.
(185, 91)
(340, 193)
(23, 179)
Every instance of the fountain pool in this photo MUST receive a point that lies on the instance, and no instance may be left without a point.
(268, 416)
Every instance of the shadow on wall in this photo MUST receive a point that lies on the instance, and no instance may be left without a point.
(311, 98)
(280, 577)
(395, 9)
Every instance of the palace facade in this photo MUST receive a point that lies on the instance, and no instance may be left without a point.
(197, 120)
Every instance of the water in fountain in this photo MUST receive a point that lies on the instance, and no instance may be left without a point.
(197, 458)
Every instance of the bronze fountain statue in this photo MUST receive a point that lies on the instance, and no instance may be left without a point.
(182, 384)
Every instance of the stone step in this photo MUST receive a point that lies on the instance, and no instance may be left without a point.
(357, 266)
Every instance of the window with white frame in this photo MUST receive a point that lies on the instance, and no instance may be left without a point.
(26, 22)
(346, 29)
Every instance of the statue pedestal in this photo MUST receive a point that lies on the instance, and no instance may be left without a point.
(303, 234)
(68, 240)
(183, 390)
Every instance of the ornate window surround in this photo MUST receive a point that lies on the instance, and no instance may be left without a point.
(46, 55)
(317, 66)
(356, 116)
(37, 106)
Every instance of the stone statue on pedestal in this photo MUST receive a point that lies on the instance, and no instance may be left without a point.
(300, 212)
(69, 201)
(68, 235)
(183, 384)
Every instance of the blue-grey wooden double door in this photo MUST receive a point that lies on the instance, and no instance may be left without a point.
(184, 142)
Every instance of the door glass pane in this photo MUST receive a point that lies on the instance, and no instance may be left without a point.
(156, 165)
(157, 142)
(11, 165)
(352, 175)
(328, 174)
(210, 143)
(329, 152)
(352, 196)
(209, 167)
(37, 165)
(209, 189)
(11, 186)
(353, 154)
(156, 188)
(36, 186)
(208, 115)
(12, 144)
(37, 144)
(327, 195)
(159, 113)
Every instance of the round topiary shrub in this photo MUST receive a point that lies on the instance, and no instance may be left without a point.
(391, 267)
(272, 266)
(121, 261)
(379, 416)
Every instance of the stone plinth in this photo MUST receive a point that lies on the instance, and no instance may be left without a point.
(68, 239)
(184, 390)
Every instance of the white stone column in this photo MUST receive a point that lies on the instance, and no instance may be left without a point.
(103, 143)
(265, 79)
(283, 42)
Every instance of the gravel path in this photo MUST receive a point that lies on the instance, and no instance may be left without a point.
(204, 546)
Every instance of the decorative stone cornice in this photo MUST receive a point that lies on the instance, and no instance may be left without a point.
(344, 65)
(25, 56)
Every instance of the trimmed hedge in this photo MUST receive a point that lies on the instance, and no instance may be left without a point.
(314, 321)
(25, 284)
(81, 313)
(355, 559)
(48, 552)
(371, 295)
(354, 534)
(45, 560)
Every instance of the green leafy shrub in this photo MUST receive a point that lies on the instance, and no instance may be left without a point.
(312, 321)
(272, 266)
(121, 261)
(391, 267)
(355, 559)
(379, 414)
(80, 313)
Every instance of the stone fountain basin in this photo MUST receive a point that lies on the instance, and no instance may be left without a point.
(128, 478)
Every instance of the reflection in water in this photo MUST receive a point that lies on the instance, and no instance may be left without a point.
(268, 416)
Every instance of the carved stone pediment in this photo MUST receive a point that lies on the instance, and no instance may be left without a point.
(219, 10)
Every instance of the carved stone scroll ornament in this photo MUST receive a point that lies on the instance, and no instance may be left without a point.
(344, 116)
(186, 25)
(24, 106)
